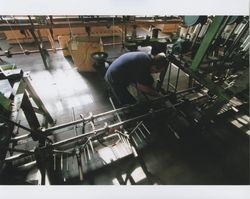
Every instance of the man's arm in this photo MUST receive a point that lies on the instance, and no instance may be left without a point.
(148, 90)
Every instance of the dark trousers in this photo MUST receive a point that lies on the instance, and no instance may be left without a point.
(121, 94)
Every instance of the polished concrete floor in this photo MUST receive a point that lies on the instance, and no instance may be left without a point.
(218, 155)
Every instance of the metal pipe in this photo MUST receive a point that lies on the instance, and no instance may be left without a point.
(32, 29)
(197, 34)
(73, 24)
(92, 117)
(112, 44)
(74, 118)
(106, 127)
(54, 160)
(135, 128)
(35, 133)
(138, 136)
(79, 162)
(61, 158)
(88, 152)
(21, 137)
(85, 156)
(116, 113)
(62, 152)
(87, 119)
(22, 151)
(27, 52)
(143, 135)
(91, 146)
(16, 157)
(67, 163)
(172, 86)
(146, 129)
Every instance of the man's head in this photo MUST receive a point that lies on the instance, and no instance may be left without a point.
(159, 63)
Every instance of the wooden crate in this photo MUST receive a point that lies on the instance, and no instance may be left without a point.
(81, 49)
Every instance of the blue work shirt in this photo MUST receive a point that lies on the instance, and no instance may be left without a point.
(130, 68)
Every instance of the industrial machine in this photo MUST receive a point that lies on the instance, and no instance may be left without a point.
(212, 52)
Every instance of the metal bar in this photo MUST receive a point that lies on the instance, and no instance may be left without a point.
(90, 118)
(190, 81)
(174, 132)
(48, 131)
(177, 79)
(93, 18)
(146, 129)
(73, 115)
(29, 52)
(67, 163)
(162, 77)
(29, 112)
(143, 135)
(244, 30)
(88, 152)
(21, 151)
(135, 128)
(172, 86)
(230, 34)
(112, 44)
(61, 158)
(31, 29)
(16, 157)
(5, 27)
(54, 160)
(116, 113)
(124, 144)
(19, 125)
(85, 156)
(138, 136)
(103, 129)
(91, 146)
(87, 119)
(62, 152)
(79, 162)
(35, 133)
(38, 100)
(169, 74)
(206, 82)
(206, 42)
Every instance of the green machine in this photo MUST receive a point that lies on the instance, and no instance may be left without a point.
(217, 59)
(16, 91)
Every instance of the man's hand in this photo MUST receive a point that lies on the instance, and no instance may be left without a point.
(148, 90)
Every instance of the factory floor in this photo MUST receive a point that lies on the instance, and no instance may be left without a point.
(194, 158)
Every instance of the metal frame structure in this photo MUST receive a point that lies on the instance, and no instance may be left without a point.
(83, 143)
(217, 96)
(48, 22)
